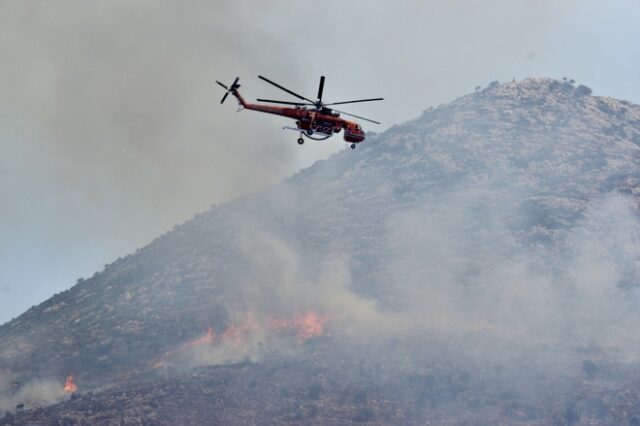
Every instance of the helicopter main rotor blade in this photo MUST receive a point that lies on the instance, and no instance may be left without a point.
(223, 86)
(284, 102)
(357, 116)
(353, 102)
(285, 89)
(320, 89)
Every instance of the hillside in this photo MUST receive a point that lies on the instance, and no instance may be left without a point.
(481, 261)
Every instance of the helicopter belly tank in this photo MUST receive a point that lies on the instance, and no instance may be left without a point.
(353, 138)
(353, 135)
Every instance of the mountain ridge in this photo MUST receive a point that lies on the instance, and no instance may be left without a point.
(429, 117)
(519, 170)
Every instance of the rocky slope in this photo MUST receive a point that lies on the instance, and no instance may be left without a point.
(488, 250)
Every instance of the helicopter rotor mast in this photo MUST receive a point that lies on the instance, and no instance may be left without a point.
(318, 104)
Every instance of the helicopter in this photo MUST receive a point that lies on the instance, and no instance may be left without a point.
(314, 120)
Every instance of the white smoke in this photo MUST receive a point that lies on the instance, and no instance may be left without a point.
(33, 394)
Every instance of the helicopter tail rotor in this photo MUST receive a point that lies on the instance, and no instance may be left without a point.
(234, 86)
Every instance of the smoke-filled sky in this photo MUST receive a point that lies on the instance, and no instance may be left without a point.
(111, 129)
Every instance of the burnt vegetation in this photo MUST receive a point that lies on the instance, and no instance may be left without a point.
(465, 267)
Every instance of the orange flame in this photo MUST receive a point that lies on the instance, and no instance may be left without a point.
(236, 333)
(70, 385)
(309, 325)
(207, 339)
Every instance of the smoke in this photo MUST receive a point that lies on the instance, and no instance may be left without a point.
(37, 393)
(463, 286)
(460, 270)
(275, 299)
(466, 293)
(112, 131)
(278, 280)
(111, 120)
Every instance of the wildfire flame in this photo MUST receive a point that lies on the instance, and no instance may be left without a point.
(207, 339)
(70, 385)
(308, 325)
(235, 334)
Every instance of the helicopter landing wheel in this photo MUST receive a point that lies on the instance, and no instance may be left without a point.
(300, 141)
(353, 146)
(310, 132)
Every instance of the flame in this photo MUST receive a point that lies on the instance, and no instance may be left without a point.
(237, 333)
(207, 339)
(70, 385)
(233, 334)
(309, 325)
(305, 326)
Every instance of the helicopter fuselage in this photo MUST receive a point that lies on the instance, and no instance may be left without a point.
(309, 120)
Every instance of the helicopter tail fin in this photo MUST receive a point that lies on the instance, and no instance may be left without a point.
(234, 86)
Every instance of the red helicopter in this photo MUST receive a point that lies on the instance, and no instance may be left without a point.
(313, 119)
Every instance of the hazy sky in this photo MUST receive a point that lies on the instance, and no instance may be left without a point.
(111, 129)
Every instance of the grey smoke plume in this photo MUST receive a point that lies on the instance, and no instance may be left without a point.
(32, 394)
(459, 269)
(111, 130)
(456, 272)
